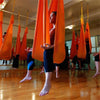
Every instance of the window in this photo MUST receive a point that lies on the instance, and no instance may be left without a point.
(93, 41)
(69, 43)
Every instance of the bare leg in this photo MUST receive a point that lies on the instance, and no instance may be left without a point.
(3, 62)
(47, 84)
(57, 71)
(27, 77)
(89, 67)
(6, 62)
(97, 63)
(42, 71)
(73, 66)
(68, 65)
(80, 64)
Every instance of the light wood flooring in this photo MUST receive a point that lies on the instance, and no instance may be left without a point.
(72, 85)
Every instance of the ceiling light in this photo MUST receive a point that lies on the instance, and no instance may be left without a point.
(69, 27)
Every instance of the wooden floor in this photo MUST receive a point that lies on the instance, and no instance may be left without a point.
(72, 85)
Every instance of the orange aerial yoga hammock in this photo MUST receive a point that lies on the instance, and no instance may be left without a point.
(1, 21)
(73, 47)
(42, 27)
(46, 35)
(6, 47)
(53, 7)
(77, 40)
(18, 41)
(23, 53)
(59, 43)
(59, 48)
(82, 45)
(77, 43)
(13, 52)
(37, 51)
(87, 36)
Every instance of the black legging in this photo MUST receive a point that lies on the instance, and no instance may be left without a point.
(30, 61)
(48, 60)
(97, 57)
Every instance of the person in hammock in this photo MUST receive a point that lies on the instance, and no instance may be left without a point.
(75, 58)
(15, 59)
(30, 65)
(49, 66)
(56, 70)
(4, 61)
(87, 61)
(74, 61)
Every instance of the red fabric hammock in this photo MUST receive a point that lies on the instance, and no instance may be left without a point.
(1, 21)
(87, 35)
(53, 6)
(73, 47)
(18, 41)
(13, 51)
(6, 47)
(82, 45)
(77, 40)
(23, 53)
(77, 43)
(1, 1)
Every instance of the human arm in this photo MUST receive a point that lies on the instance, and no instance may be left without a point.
(28, 50)
(47, 46)
(95, 54)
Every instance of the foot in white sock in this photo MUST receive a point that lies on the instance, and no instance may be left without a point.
(45, 90)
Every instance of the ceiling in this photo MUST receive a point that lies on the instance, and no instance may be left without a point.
(73, 9)
(72, 12)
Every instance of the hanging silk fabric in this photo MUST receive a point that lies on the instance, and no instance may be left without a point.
(13, 51)
(77, 43)
(59, 44)
(23, 53)
(82, 45)
(87, 31)
(52, 7)
(1, 1)
(18, 41)
(46, 35)
(40, 38)
(6, 47)
(59, 49)
(77, 40)
(1, 21)
(73, 47)
(87, 35)
(37, 51)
